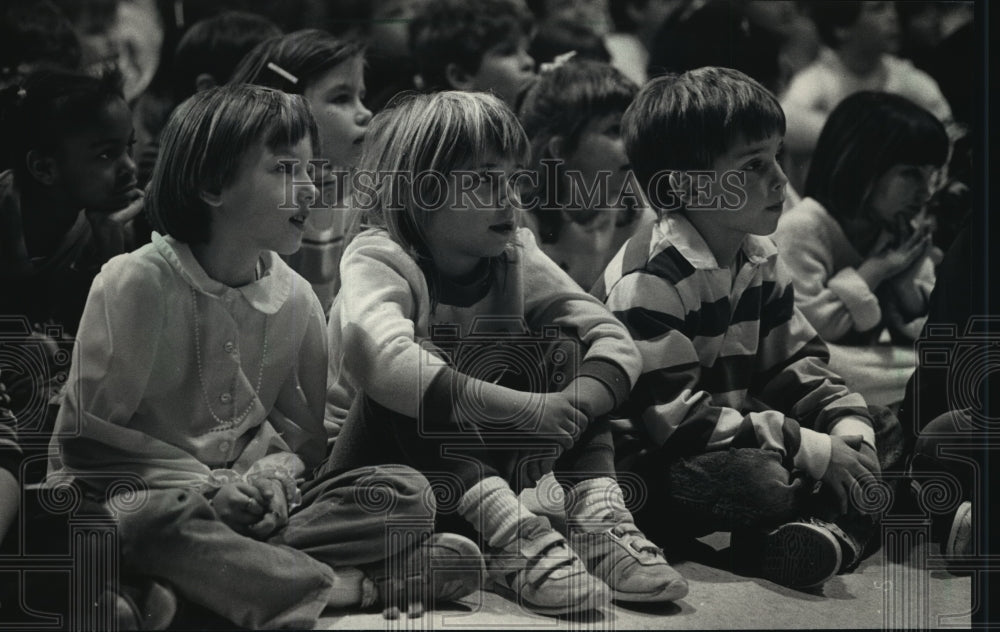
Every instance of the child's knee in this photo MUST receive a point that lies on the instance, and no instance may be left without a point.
(160, 514)
(399, 489)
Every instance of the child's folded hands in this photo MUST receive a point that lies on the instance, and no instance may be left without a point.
(240, 505)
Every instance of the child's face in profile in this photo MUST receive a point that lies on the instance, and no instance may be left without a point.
(478, 218)
(746, 187)
(336, 100)
(505, 69)
(900, 193)
(94, 167)
(267, 205)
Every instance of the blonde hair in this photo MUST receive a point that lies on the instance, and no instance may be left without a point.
(429, 133)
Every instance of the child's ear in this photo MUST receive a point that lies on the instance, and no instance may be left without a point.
(458, 78)
(204, 81)
(680, 183)
(212, 199)
(42, 167)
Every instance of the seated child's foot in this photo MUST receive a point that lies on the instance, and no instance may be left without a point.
(632, 566)
(959, 542)
(797, 554)
(446, 567)
(541, 572)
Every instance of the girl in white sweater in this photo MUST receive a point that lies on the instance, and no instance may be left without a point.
(459, 348)
(859, 244)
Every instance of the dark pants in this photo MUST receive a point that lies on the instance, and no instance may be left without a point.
(455, 457)
(748, 488)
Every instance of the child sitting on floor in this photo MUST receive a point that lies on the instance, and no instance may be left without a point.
(446, 354)
(736, 417)
(198, 384)
(329, 73)
(581, 209)
(859, 244)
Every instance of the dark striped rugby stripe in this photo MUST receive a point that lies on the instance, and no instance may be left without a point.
(729, 373)
(670, 265)
(696, 430)
(815, 348)
(830, 415)
(777, 312)
(789, 388)
(662, 386)
(750, 305)
(708, 321)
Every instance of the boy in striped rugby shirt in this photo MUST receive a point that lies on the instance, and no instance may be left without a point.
(737, 423)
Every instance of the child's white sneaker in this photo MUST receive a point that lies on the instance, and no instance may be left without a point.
(540, 572)
(632, 566)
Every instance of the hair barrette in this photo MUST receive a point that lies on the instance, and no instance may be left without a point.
(281, 71)
(558, 61)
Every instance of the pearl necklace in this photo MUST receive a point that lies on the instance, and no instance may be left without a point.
(201, 376)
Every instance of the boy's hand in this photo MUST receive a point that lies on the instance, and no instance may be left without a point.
(847, 467)
(239, 505)
(559, 420)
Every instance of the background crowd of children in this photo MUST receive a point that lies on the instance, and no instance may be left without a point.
(192, 296)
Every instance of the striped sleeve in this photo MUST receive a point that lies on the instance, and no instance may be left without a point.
(793, 370)
(671, 397)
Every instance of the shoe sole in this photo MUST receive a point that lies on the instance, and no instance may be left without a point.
(673, 591)
(800, 555)
(595, 601)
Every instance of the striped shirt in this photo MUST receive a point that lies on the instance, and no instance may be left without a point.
(727, 361)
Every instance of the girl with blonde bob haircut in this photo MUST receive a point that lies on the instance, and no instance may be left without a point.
(459, 348)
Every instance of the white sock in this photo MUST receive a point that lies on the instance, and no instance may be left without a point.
(495, 511)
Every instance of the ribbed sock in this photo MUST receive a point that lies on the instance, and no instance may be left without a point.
(495, 511)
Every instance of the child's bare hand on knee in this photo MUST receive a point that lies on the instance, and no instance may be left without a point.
(559, 420)
(847, 467)
(239, 505)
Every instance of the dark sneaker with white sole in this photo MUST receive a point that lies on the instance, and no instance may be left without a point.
(796, 554)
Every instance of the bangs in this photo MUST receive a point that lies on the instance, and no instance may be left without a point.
(746, 114)
(288, 123)
(916, 141)
(462, 129)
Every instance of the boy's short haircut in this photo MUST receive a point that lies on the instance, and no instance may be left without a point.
(685, 122)
(204, 144)
(460, 32)
(215, 46)
(828, 16)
